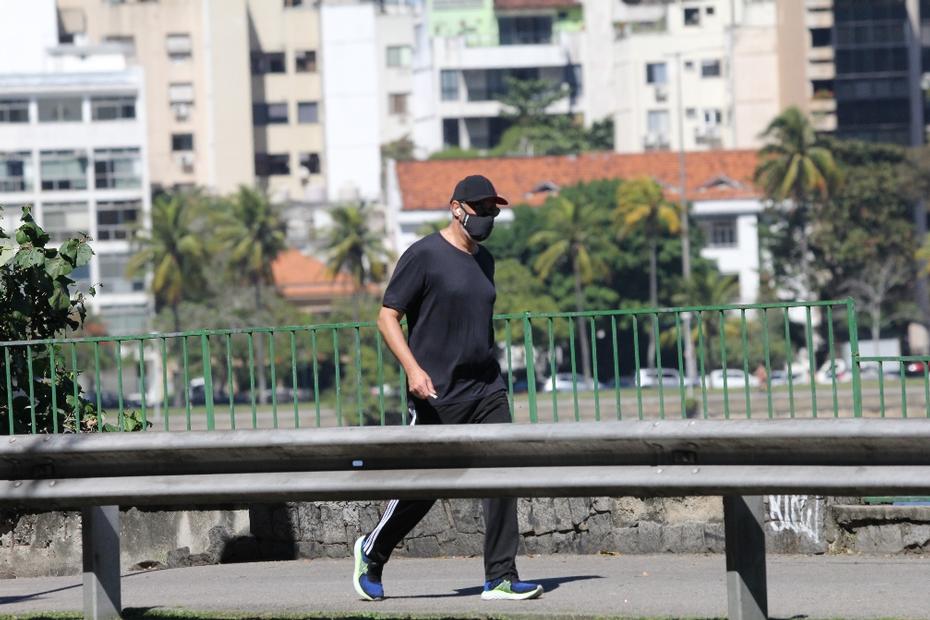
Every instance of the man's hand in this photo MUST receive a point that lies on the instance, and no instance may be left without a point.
(420, 384)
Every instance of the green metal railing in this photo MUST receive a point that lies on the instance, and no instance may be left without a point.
(759, 360)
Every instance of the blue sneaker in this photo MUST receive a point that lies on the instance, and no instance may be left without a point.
(367, 585)
(507, 590)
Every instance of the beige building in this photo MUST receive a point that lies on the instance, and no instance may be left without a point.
(232, 88)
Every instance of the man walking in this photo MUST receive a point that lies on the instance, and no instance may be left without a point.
(444, 284)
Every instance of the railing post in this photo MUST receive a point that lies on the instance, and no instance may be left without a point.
(207, 380)
(100, 546)
(743, 520)
(529, 356)
(854, 356)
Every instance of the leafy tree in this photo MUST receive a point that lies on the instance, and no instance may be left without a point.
(252, 232)
(642, 205)
(354, 248)
(36, 304)
(571, 230)
(796, 172)
(174, 250)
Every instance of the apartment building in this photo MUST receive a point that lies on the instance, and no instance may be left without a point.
(467, 49)
(196, 59)
(73, 145)
(690, 73)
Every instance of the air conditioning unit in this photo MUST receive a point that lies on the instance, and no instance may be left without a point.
(705, 134)
(182, 111)
(185, 161)
(661, 93)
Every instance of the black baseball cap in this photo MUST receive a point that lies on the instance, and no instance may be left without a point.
(475, 188)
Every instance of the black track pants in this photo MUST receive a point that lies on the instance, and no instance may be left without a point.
(500, 515)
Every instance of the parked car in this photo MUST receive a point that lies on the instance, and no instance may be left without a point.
(651, 377)
(735, 378)
(825, 374)
(915, 368)
(565, 380)
(798, 377)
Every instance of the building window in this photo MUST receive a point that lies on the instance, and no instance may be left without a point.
(398, 55)
(15, 172)
(268, 62)
(656, 73)
(178, 46)
(181, 99)
(397, 103)
(450, 85)
(63, 170)
(60, 110)
(65, 220)
(14, 111)
(113, 108)
(657, 129)
(690, 113)
(310, 162)
(525, 30)
(692, 16)
(305, 62)
(721, 233)
(116, 220)
(450, 132)
(269, 113)
(113, 278)
(710, 68)
(182, 142)
(308, 112)
(271, 164)
(290, 4)
(10, 218)
(117, 168)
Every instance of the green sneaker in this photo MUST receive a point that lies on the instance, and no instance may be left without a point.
(367, 584)
(506, 590)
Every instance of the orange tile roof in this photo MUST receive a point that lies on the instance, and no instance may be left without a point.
(298, 276)
(711, 175)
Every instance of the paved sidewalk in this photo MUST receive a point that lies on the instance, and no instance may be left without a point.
(657, 585)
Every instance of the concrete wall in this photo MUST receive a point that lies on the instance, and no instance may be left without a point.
(50, 543)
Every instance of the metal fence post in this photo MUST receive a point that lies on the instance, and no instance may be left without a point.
(854, 356)
(529, 354)
(100, 547)
(743, 519)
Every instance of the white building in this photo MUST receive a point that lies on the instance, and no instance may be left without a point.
(466, 51)
(723, 200)
(73, 146)
(701, 72)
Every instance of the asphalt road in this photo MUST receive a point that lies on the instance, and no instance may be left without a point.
(576, 586)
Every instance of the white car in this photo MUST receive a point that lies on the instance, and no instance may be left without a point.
(564, 380)
(652, 377)
(798, 377)
(736, 378)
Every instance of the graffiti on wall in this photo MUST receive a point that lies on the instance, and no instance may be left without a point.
(796, 513)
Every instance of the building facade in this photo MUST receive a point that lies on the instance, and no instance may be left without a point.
(73, 146)
(467, 50)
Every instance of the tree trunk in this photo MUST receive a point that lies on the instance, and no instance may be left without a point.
(653, 300)
(876, 327)
(260, 348)
(583, 339)
(179, 390)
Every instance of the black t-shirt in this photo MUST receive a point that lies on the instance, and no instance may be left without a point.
(448, 297)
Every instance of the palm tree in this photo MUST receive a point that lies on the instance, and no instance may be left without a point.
(641, 206)
(571, 231)
(174, 250)
(354, 248)
(250, 228)
(794, 167)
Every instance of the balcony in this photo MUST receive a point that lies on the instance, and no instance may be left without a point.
(821, 70)
(820, 54)
(819, 19)
(823, 121)
(466, 52)
(822, 104)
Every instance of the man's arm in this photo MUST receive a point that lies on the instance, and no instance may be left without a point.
(389, 323)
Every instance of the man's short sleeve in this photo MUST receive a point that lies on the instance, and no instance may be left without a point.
(407, 283)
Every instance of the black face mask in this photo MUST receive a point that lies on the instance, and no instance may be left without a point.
(478, 227)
